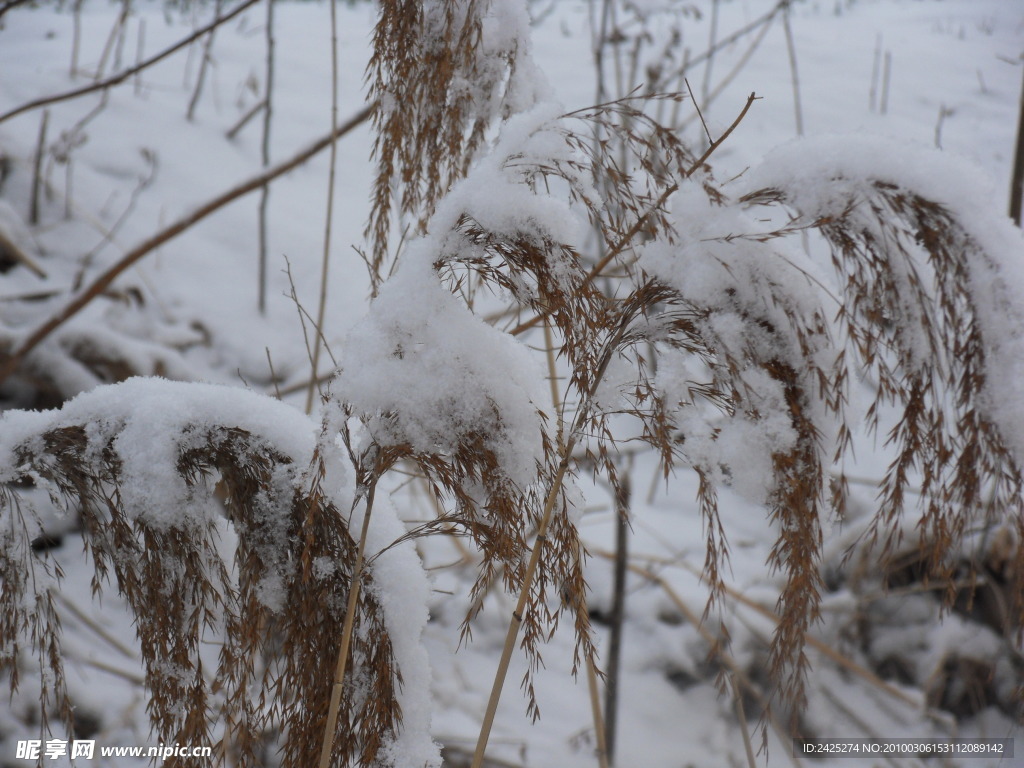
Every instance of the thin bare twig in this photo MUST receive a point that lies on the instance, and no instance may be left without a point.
(712, 49)
(125, 74)
(273, 374)
(722, 84)
(140, 45)
(204, 65)
(728, 131)
(101, 283)
(98, 629)
(76, 35)
(112, 39)
(699, 113)
(729, 40)
(231, 132)
(110, 233)
(299, 309)
(886, 76)
(10, 5)
(37, 165)
(876, 69)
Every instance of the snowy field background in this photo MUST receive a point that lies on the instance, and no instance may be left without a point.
(189, 311)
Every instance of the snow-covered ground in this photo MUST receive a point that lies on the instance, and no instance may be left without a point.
(932, 72)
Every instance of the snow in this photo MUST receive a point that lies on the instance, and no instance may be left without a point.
(149, 423)
(403, 591)
(720, 265)
(418, 352)
(450, 376)
(528, 137)
(506, 33)
(822, 175)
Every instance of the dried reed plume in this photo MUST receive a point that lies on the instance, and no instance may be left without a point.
(277, 621)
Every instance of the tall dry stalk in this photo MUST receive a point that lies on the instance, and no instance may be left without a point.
(205, 60)
(617, 617)
(354, 590)
(798, 112)
(325, 259)
(268, 118)
(1017, 181)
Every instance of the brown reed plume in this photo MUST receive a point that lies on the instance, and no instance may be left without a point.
(277, 621)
